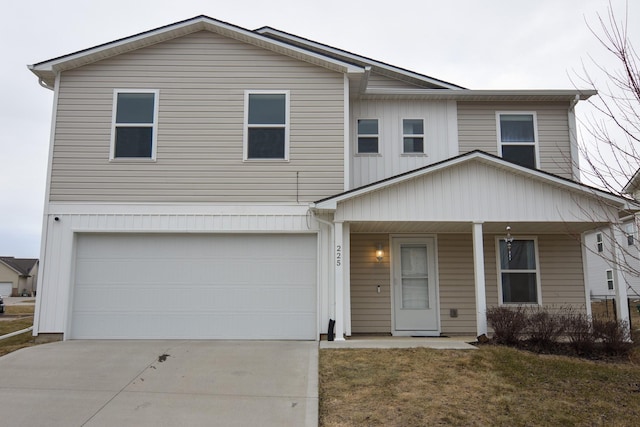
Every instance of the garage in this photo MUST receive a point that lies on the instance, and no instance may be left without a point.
(5, 289)
(194, 286)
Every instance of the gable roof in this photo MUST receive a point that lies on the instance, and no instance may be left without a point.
(22, 266)
(306, 50)
(632, 184)
(330, 203)
(47, 70)
(378, 66)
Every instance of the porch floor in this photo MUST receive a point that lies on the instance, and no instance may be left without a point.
(442, 343)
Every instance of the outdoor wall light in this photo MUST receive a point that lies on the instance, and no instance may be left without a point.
(379, 253)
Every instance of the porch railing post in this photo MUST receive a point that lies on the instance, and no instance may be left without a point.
(479, 279)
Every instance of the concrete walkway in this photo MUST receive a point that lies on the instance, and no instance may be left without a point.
(442, 343)
(161, 383)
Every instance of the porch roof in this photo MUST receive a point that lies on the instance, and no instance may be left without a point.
(474, 187)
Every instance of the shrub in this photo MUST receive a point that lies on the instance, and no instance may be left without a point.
(579, 331)
(544, 327)
(615, 336)
(508, 323)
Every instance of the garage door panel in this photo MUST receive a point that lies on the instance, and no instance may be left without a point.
(265, 288)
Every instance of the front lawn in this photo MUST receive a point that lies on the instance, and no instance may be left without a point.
(8, 325)
(492, 386)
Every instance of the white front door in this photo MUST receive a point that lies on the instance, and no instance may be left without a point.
(415, 305)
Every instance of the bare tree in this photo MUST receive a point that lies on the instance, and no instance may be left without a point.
(610, 146)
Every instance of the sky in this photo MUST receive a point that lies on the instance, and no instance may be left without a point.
(488, 44)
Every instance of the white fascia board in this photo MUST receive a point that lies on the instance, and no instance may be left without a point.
(46, 68)
(107, 208)
(340, 52)
(485, 95)
(631, 186)
(615, 200)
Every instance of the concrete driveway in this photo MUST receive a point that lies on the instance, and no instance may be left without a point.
(161, 383)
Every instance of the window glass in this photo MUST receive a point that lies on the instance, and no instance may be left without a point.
(367, 136)
(266, 127)
(518, 272)
(413, 136)
(133, 130)
(523, 155)
(516, 128)
(609, 279)
(599, 244)
(135, 107)
(134, 142)
(267, 108)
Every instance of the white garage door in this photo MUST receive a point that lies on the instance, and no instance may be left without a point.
(195, 286)
(5, 289)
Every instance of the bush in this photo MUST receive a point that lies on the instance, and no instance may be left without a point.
(615, 336)
(579, 331)
(544, 327)
(508, 323)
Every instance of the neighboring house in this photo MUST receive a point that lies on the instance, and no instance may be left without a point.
(601, 261)
(208, 181)
(18, 276)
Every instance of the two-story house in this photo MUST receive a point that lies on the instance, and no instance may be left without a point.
(208, 181)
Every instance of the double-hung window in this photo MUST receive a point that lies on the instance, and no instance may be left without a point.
(135, 124)
(609, 279)
(599, 243)
(517, 138)
(628, 231)
(368, 136)
(266, 135)
(412, 136)
(518, 272)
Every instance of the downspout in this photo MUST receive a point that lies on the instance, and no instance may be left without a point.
(44, 84)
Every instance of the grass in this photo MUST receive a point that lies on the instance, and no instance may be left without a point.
(11, 325)
(493, 386)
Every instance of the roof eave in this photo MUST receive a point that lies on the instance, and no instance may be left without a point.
(331, 203)
(532, 95)
(47, 70)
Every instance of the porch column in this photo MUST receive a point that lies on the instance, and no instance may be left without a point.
(339, 280)
(478, 268)
(620, 284)
(346, 265)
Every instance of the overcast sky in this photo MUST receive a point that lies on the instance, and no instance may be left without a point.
(488, 44)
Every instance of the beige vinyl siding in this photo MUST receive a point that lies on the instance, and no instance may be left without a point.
(377, 81)
(201, 80)
(477, 131)
(456, 280)
(370, 310)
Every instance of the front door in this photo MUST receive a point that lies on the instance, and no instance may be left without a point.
(415, 306)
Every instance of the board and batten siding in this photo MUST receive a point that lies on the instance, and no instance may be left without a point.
(370, 310)
(201, 78)
(477, 130)
(439, 137)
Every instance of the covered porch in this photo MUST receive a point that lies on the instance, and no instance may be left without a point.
(425, 253)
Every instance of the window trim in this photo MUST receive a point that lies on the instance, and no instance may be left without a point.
(610, 282)
(246, 125)
(378, 135)
(599, 243)
(537, 272)
(412, 135)
(536, 140)
(153, 126)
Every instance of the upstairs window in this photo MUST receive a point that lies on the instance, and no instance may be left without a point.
(609, 279)
(412, 136)
(517, 138)
(628, 230)
(518, 272)
(266, 125)
(368, 136)
(599, 244)
(134, 127)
